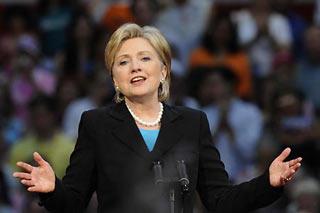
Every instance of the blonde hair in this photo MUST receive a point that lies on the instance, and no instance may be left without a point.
(157, 41)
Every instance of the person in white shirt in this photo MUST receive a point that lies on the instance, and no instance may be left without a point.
(263, 32)
(71, 118)
(235, 125)
(184, 23)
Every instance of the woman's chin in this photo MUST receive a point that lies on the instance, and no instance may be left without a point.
(142, 94)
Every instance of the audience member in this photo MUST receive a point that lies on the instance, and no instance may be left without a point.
(305, 196)
(236, 125)
(43, 136)
(263, 32)
(297, 24)
(296, 126)
(22, 86)
(79, 60)
(115, 15)
(282, 76)
(317, 12)
(220, 47)
(53, 24)
(97, 94)
(5, 198)
(308, 69)
(183, 24)
(144, 11)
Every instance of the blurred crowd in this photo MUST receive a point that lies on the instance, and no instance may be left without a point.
(252, 66)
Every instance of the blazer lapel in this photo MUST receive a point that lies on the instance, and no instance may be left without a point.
(127, 131)
(170, 132)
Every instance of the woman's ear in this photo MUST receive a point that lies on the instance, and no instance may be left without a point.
(164, 71)
(115, 84)
(113, 81)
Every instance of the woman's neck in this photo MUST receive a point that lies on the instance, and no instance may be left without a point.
(147, 110)
(144, 109)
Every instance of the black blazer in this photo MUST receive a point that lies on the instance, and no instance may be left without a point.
(111, 158)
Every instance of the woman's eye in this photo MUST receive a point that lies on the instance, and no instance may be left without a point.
(122, 63)
(146, 58)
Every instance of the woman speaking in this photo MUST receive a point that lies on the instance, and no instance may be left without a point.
(141, 155)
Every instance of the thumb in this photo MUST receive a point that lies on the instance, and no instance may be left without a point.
(37, 157)
(285, 153)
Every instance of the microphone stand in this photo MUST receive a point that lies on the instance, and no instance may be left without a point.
(182, 179)
(172, 200)
(159, 181)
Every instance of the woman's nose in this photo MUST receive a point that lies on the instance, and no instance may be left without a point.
(135, 66)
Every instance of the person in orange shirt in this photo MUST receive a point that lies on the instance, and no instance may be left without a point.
(220, 47)
(116, 15)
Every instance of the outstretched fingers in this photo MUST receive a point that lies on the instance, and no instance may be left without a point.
(33, 189)
(295, 161)
(294, 165)
(22, 175)
(27, 167)
(289, 173)
(37, 157)
(284, 154)
(281, 171)
(27, 182)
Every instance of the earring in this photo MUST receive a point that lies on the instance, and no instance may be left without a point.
(118, 96)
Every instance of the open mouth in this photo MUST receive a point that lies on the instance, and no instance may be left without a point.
(138, 79)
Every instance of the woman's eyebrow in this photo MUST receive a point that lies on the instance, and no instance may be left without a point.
(122, 56)
(144, 52)
(139, 53)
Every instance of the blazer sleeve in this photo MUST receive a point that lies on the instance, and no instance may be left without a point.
(215, 190)
(74, 191)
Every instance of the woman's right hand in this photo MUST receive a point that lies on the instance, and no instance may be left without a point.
(37, 179)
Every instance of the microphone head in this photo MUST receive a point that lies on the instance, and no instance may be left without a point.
(183, 177)
(158, 174)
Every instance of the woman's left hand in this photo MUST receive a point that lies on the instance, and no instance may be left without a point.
(282, 172)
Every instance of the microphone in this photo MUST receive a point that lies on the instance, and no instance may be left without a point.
(158, 175)
(183, 177)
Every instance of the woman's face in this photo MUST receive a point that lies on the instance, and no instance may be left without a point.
(289, 105)
(222, 33)
(213, 88)
(137, 69)
(83, 30)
